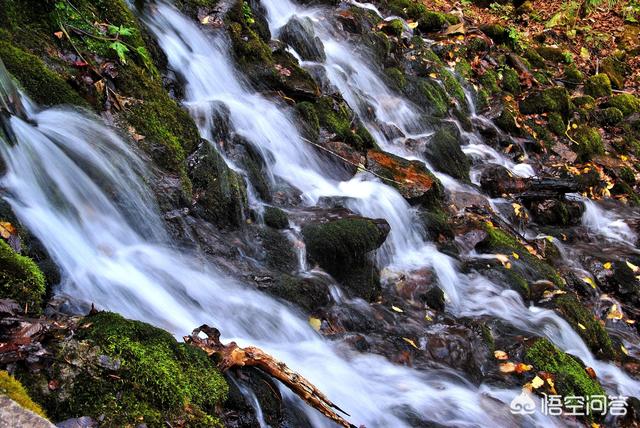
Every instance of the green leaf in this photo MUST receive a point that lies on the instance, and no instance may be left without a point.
(121, 50)
(120, 31)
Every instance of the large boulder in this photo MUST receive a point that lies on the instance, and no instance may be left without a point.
(220, 195)
(445, 154)
(412, 178)
(343, 247)
(299, 34)
(549, 100)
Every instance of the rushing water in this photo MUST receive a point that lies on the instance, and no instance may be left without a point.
(78, 187)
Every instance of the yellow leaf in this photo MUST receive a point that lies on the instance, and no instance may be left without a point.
(500, 355)
(515, 256)
(632, 266)
(502, 258)
(537, 382)
(582, 326)
(433, 75)
(624, 350)
(412, 25)
(552, 385)
(614, 313)
(6, 229)
(507, 265)
(574, 126)
(205, 20)
(589, 281)
(410, 342)
(607, 265)
(522, 367)
(517, 208)
(315, 323)
(549, 238)
(630, 321)
(508, 367)
(397, 309)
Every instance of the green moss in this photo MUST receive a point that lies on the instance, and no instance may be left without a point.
(496, 32)
(556, 123)
(157, 377)
(445, 153)
(571, 378)
(534, 58)
(311, 123)
(589, 142)
(541, 77)
(21, 279)
(336, 117)
(626, 103)
(278, 250)
(463, 68)
(41, 84)
(552, 54)
(554, 99)
(585, 101)
(12, 388)
(489, 81)
(394, 27)
(276, 218)
(430, 21)
(507, 120)
(598, 86)
(573, 76)
(627, 174)
(306, 292)
(616, 67)
(222, 193)
(396, 77)
(453, 87)
(435, 97)
(510, 81)
(609, 116)
(593, 333)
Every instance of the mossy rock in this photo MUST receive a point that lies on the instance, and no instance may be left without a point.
(445, 153)
(588, 142)
(598, 86)
(496, 32)
(616, 68)
(336, 117)
(43, 85)
(309, 293)
(626, 103)
(609, 116)
(127, 373)
(278, 250)
(21, 279)
(432, 95)
(510, 81)
(309, 117)
(572, 76)
(525, 265)
(507, 121)
(343, 248)
(489, 81)
(586, 325)
(396, 77)
(554, 99)
(393, 28)
(534, 58)
(13, 389)
(220, 192)
(571, 377)
(430, 22)
(553, 54)
(276, 218)
(556, 123)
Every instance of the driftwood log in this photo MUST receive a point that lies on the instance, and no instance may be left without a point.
(231, 355)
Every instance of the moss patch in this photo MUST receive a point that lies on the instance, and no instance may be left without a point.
(589, 142)
(12, 388)
(598, 86)
(21, 279)
(548, 100)
(626, 103)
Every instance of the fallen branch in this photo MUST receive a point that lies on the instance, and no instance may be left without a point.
(231, 355)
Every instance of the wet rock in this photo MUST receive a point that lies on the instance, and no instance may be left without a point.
(556, 212)
(278, 250)
(308, 292)
(276, 218)
(219, 192)
(300, 35)
(344, 247)
(13, 414)
(548, 100)
(497, 180)
(412, 178)
(624, 283)
(82, 422)
(445, 153)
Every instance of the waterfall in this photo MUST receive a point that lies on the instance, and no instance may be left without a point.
(80, 189)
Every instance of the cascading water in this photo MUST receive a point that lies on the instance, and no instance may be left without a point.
(470, 295)
(63, 172)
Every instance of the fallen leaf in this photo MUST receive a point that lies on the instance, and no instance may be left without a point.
(614, 313)
(607, 265)
(632, 266)
(522, 367)
(59, 34)
(412, 25)
(410, 342)
(624, 350)
(508, 367)
(582, 326)
(591, 372)
(537, 382)
(589, 281)
(315, 323)
(397, 309)
(7, 229)
(500, 355)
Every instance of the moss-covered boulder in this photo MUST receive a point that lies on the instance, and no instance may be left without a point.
(13, 389)
(344, 248)
(554, 54)
(444, 152)
(412, 178)
(616, 68)
(124, 373)
(586, 325)
(220, 194)
(570, 376)
(598, 86)
(588, 142)
(21, 279)
(510, 81)
(335, 116)
(275, 217)
(609, 116)
(309, 293)
(496, 32)
(554, 99)
(626, 103)
(278, 250)
(43, 85)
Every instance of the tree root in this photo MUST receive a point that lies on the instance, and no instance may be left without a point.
(231, 355)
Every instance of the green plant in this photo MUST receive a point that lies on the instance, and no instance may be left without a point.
(247, 13)
(516, 38)
(504, 11)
